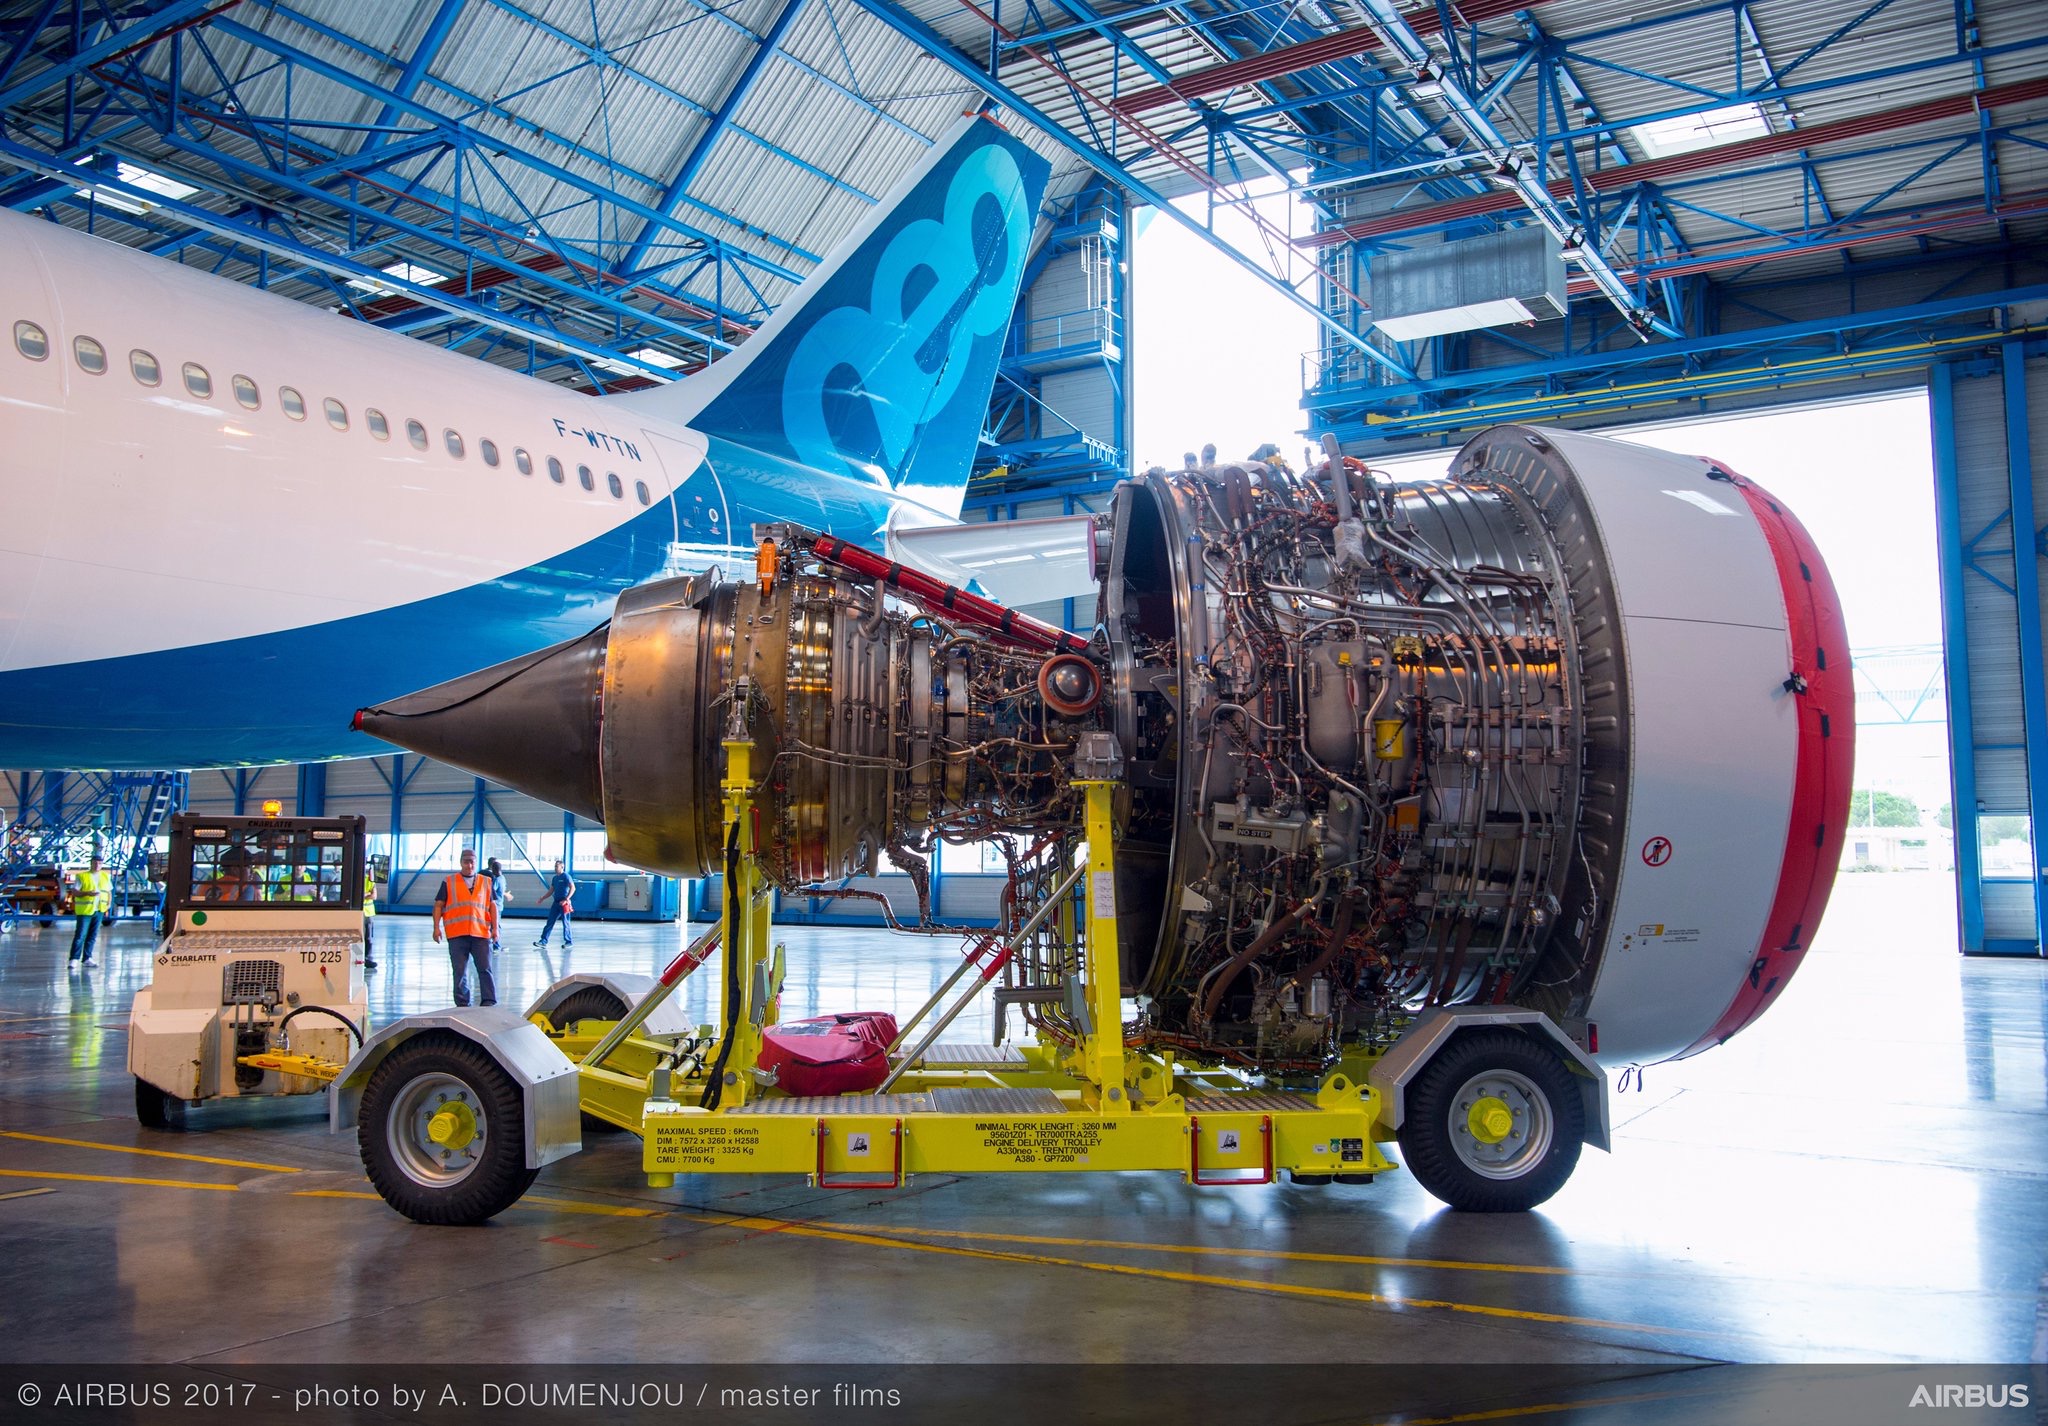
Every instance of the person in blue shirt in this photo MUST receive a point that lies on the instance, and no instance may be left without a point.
(560, 899)
(495, 870)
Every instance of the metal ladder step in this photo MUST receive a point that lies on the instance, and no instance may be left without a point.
(971, 1057)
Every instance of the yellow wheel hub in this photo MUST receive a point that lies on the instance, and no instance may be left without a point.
(454, 1126)
(1490, 1120)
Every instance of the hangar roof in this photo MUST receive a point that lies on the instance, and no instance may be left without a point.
(604, 189)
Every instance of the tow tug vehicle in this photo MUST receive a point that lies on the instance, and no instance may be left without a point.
(258, 988)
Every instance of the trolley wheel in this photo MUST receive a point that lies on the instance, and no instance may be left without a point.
(156, 1110)
(443, 1132)
(592, 1002)
(1493, 1123)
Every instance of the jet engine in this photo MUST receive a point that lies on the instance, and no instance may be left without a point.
(1569, 729)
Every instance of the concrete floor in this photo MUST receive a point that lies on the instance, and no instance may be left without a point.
(1861, 1177)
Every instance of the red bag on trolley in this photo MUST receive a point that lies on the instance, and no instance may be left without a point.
(830, 1054)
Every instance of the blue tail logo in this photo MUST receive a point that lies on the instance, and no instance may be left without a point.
(880, 368)
(900, 365)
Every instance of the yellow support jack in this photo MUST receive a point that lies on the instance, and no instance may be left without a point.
(1042, 1109)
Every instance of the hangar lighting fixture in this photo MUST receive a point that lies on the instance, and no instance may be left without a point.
(1687, 132)
(1469, 317)
(655, 356)
(137, 177)
(404, 272)
(1516, 275)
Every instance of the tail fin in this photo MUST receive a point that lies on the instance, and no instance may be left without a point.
(879, 368)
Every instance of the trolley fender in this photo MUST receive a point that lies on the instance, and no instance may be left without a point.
(667, 1018)
(546, 1077)
(1433, 1029)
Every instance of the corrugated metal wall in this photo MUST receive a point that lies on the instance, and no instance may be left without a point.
(1080, 401)
(435, 796)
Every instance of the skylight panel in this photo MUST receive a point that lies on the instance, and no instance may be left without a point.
(1663, 137)
(404, 272)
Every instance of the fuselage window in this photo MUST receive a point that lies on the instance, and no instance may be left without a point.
(293, 403)
(453, 442)
(144, 367)
(554, 470)
(90, 355)
(31, 341)
(197, 381)
(640, 489)
(374, 419)
(618, 486)
(489, 451)
(337, 414)
(246, 392)
(417, 434)
(583, 474)
(521, 459)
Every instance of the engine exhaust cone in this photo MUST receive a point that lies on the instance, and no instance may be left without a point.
(530, 723)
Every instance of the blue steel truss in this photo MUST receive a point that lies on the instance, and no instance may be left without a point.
(1893, 146)
(207, 94)
(63, 819)
(1915, 148)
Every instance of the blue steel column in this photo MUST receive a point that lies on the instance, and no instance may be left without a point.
(312, 795)
(2026, 583)
(1955, 638)
(392, 890)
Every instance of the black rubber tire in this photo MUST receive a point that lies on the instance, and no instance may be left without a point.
(592, 1002)
(498, 1179)
(1426, 1134)
(156, 1110)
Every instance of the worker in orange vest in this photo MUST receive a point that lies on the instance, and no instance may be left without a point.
(466, 908)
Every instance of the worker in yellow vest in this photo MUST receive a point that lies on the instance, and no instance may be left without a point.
(466, 909)
(369, 921)
(92, 891)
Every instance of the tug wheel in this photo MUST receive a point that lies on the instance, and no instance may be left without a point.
(1493, 1123)
(443, 1132)
(592, 1002)
(156, 1110)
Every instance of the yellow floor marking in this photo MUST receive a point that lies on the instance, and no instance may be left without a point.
(111, 1178)
(152, 1153)
(1509, 1413)
(1285, 1289)
(25, 1193)
(609, 1210)
(1201, 1250)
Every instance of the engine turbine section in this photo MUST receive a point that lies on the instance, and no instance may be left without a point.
(1569, 729)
